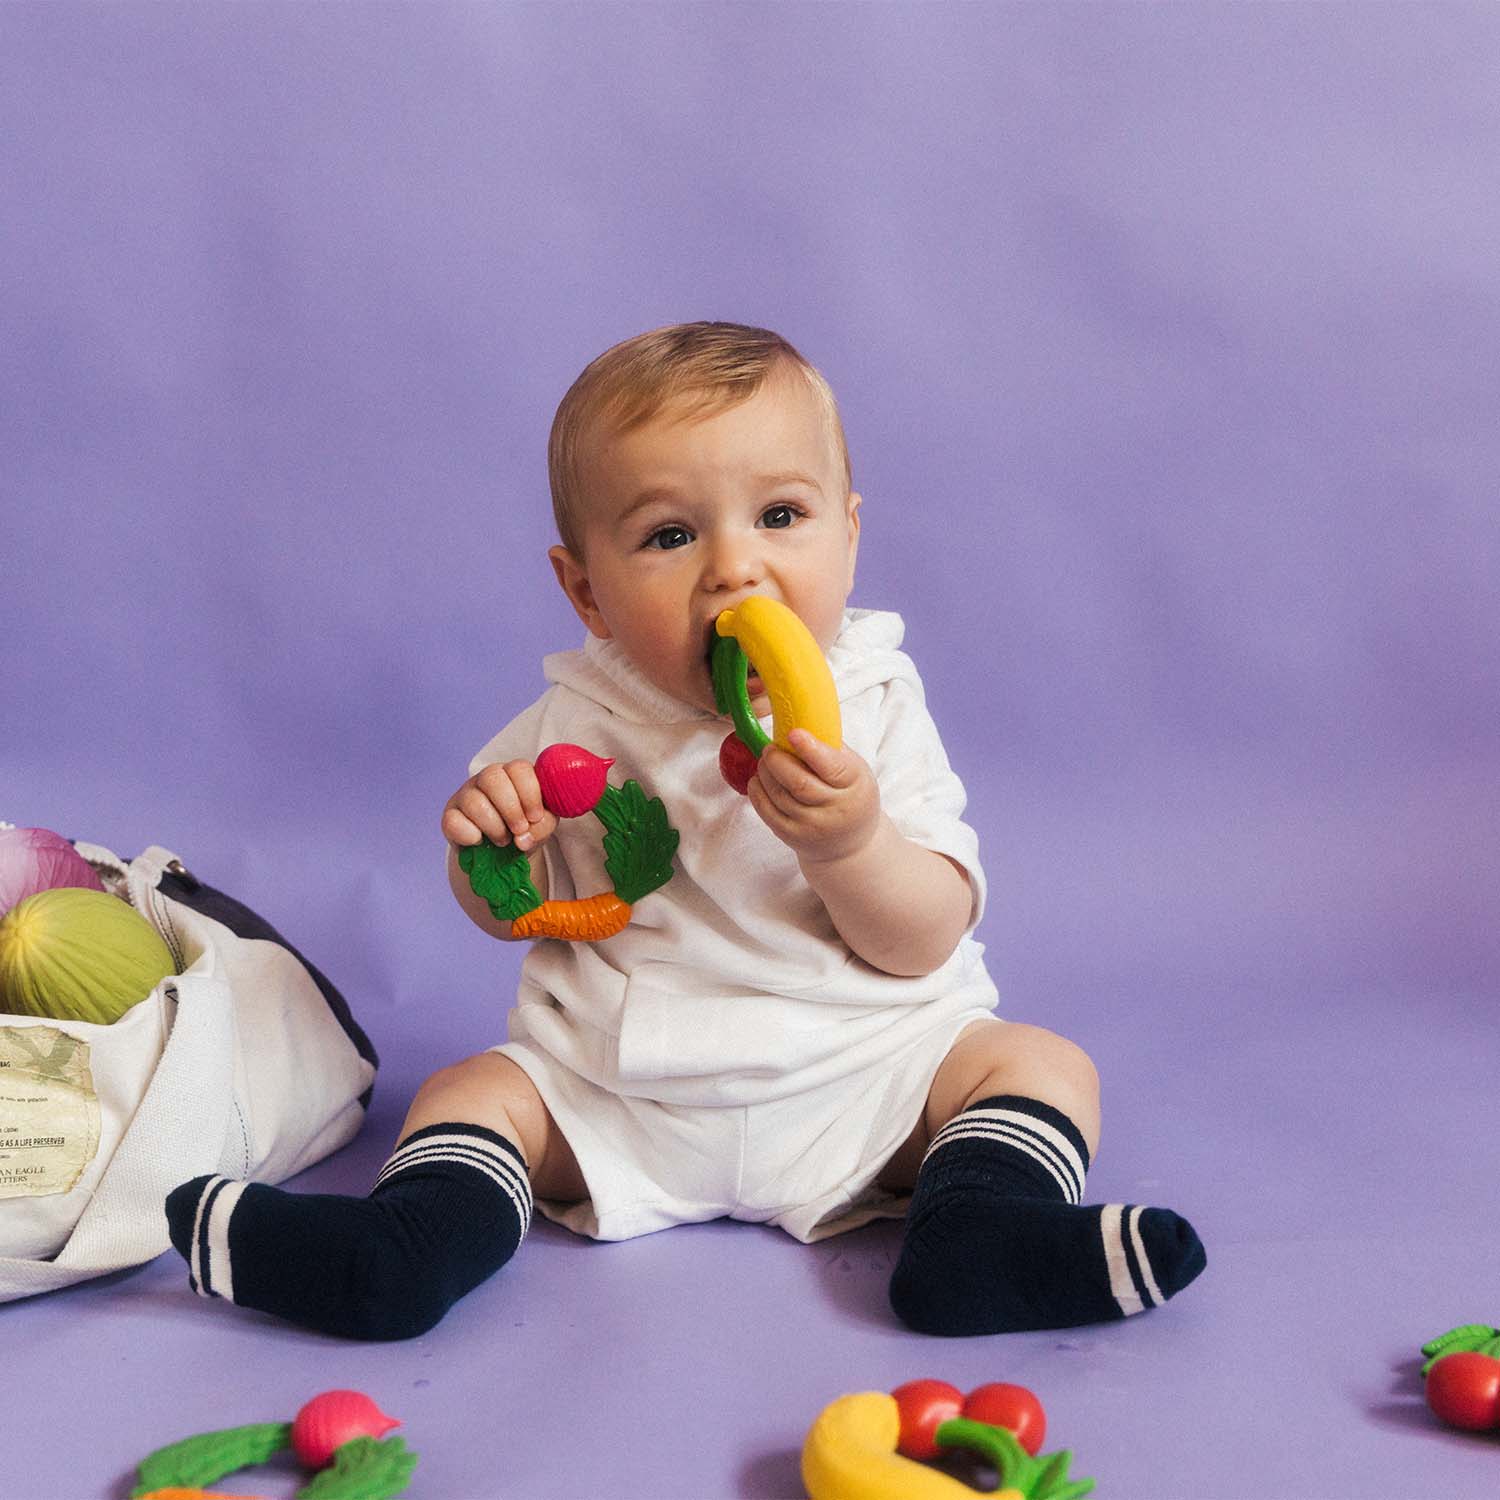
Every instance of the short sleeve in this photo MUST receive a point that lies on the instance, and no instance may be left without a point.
(919, 790)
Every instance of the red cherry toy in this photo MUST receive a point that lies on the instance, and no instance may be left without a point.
(924, 1406)
(737, 762)
(1012, 1407)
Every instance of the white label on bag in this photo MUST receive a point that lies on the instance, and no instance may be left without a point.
(49, 1112)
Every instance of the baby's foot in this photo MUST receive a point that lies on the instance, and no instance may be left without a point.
(997, 1241)
(449, 1209)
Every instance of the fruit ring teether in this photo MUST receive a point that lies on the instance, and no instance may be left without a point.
(764, 632)
(638, 847)
(852, 1452)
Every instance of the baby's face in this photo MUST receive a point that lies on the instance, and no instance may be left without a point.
(685, 518)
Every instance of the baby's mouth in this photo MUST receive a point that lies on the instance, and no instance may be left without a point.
(753, 683)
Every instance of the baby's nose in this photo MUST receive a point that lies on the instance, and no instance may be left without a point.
(731, 563)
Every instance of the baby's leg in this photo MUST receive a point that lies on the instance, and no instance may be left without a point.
(997, 1239)
(492, 1091)
(448, 1209)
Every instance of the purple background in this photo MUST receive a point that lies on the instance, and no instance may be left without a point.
(1165, 341)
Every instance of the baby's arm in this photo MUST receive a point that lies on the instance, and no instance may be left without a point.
(902, 908)
(499, 803)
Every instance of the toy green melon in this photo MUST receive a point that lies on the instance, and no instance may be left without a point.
(76, 955)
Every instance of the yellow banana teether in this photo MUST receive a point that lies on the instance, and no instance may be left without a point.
(850, 1454)
(790, 664)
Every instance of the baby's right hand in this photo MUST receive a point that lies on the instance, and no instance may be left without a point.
(501, 803)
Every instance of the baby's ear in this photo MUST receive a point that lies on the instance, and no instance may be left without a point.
(855, 501)
(574, 582)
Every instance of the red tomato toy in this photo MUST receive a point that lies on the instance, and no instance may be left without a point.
(1464, 1389)
(924, 1406)
(1012, 1407)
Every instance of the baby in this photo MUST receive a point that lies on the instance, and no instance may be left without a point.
(798, 1028)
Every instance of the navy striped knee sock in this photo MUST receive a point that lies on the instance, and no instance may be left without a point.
(997, 1239)
(449, 1209)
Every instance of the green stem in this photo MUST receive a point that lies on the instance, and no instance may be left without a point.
(981, 1438)
(1041, 1478)
(731, 674)
(1475, 1337)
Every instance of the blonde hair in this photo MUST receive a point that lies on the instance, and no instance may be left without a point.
(704, 368)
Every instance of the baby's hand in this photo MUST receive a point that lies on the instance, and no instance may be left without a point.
(823, 803)
(500, 803)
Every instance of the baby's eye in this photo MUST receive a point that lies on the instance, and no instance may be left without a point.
(781, 516)
(666, 538)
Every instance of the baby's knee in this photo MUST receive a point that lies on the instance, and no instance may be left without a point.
(997, 1058)
(1034, 1047)
(1012, 1057)
(487, 1089)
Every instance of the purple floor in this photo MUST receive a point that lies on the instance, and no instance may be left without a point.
(1324, 1140)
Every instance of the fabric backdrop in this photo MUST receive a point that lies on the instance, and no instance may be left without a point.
(1165, 340)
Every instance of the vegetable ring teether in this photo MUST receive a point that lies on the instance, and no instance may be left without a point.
(639, 844)
(341, 1434)
(764, 632)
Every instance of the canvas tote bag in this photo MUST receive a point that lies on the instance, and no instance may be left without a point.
(247, 1062)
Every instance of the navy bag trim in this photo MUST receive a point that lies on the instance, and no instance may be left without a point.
(243, 922)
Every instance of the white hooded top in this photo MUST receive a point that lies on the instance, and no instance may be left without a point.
(730, 985)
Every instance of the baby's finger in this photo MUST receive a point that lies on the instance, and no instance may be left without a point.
(775, 796)
(544, 828)
(523, 778)
(474, 803)
(828, 764)
(498, 784)
(458, 829)
(789, 774)
(760, 799)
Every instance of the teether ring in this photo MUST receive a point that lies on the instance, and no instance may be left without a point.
(764, 632)
(639, 844)
(852, 1453)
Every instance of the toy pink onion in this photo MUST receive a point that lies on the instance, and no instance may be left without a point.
(571, 778)
(332, 1419)
(35, 859)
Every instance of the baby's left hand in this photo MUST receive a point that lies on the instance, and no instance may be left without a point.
(823, 803)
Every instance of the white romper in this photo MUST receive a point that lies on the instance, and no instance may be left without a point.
(726, 1053)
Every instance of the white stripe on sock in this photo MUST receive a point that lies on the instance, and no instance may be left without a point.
(504, 1173)
(1152, 1290)
(195, 1267)
(1009, 1138)
(1121, 1283)
(1050, 1134)
(1045, 1135)
(456, 1139)
(1038, 1140)
(467, 1150)
(218, 1240)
